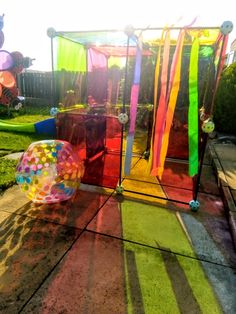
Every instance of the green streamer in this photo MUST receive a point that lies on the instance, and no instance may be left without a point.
(193, 109)
(70, 56)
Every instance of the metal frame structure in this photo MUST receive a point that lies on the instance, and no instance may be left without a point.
(209, 101)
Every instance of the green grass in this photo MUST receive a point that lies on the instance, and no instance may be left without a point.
(29, 113)
(28, 118)
(17, 142)
(9, 143)
(162, 229)
(7, 172)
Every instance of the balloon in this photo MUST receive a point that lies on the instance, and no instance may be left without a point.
(18, 61)
(49, 171)
(7, 79)
(6, 60)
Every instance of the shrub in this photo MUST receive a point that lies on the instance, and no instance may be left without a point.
(225, 104)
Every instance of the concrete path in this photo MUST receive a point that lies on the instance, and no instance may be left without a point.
(100, 253)
(224, 162)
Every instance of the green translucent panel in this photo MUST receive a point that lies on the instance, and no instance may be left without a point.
(116, 61)
(70, 56)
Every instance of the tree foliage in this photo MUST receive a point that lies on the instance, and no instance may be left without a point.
(225, 104)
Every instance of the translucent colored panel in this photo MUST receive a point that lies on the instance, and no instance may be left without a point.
(70, 56)
(97, 139)
(96, 60)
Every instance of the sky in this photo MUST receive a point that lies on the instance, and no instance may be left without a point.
(26, 21)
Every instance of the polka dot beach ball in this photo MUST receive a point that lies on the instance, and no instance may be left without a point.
(49, 171)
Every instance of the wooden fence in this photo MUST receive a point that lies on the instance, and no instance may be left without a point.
(40, 85)
(35, 84)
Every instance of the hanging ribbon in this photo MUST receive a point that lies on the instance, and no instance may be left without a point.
(222, 53)
(173, 90)
(157, 72)
(162, 107)
(193, 109)
(133, 107)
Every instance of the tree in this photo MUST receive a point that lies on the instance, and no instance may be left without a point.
(225, 104)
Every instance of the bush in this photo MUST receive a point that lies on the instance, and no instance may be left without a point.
(225, 105)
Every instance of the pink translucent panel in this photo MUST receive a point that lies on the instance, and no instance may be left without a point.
(97, 139)
(96, 60)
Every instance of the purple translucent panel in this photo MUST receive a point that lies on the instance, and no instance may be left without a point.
(6, 60)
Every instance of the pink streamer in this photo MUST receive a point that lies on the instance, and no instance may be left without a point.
(162, 107)
(133, 109)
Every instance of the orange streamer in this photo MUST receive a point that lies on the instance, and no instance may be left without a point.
(157, 72)
(174, 90)
(161, 111)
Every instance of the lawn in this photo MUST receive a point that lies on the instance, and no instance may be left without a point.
(28, 118)
(7, 173)
(17, 142)
(9, 143)
(12, 142)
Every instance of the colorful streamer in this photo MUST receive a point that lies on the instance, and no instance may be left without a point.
(193, 109)
(222, 54)
(173, 90)
(162, 107)
(133, 107)
(157, 72)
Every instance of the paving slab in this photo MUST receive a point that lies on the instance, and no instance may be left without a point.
(14, 156)
(90, 279)
(12, 199)
(224, 161)
(225, 151)
(230, 172)
(227, 155)
(29, 249)
(233, 192)
(175, 183)
(104, 275)
(76, 212)
(196, 235)
(175, 175)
